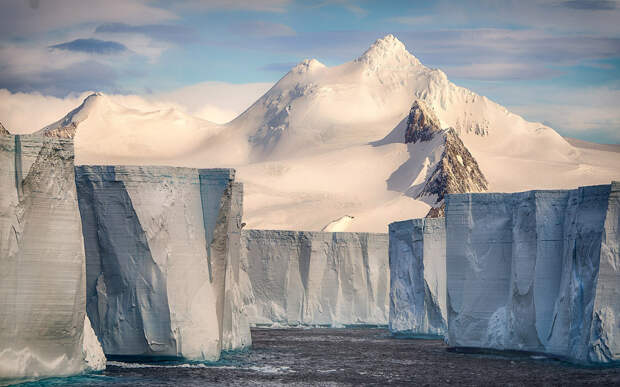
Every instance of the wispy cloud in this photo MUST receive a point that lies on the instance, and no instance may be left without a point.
(92, 46)
(23, 18)
(262, 29)
(500, 71)
(349, 5)
(164, 32)
(280, 68)
(276, 6)
(590, 5)
(412, 20)
(597, 120)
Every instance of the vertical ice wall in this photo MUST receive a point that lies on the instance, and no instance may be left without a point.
(317, 278)
(157, 254)
(535, 271)
(44, 330)
(418, 277)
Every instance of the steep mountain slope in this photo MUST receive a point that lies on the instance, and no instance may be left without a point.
(454, 171)
(325, 142)
(3, 131)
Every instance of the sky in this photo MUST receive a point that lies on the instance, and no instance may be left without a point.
(553, 61)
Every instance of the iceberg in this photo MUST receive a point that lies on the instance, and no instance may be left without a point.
(418, 277)
(44, 330)
(159, 260)
(316, 278)
(536, 271)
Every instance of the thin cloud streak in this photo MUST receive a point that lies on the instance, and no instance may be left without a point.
(92, 46)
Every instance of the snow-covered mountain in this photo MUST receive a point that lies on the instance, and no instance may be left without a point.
(106, 131)
(325, 142)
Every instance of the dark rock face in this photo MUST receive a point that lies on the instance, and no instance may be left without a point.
(67, 131)
(422, 123)
(3, 131)
(456, 172)
(437, 212)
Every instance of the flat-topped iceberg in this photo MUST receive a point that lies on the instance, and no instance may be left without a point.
(44, 330)
(317, 278)
(418, 277)
(160, 261)
(536, 271)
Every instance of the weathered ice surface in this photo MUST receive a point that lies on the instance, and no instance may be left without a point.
(157, 253)
(238, 293)
(317, 278)
(418, 277)
(44, 330)
(536, 271)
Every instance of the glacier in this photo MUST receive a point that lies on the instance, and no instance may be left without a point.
(316, 278)
(417, 251)
(44, 330)
(162, 270)
(536, 271)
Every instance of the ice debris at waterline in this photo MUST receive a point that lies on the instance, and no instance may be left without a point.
(44, 330)
(162, 260)
(317, 278)
(418, 277)
(536, 271)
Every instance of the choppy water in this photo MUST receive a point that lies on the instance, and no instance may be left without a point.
(351, 356)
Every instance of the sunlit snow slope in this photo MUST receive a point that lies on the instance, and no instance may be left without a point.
(309, 150)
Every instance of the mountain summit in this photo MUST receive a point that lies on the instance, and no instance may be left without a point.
(388, 52)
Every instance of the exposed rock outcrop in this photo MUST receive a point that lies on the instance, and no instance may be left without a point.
(456, 170)
(3, 131)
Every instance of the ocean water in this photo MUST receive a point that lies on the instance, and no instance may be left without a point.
(347, 357)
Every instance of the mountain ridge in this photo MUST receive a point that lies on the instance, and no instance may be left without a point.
(325, 142)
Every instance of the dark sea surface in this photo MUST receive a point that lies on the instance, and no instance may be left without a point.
(346, 357)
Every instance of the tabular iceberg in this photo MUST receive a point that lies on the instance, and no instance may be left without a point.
(536, 271)
(44, 330)
(316, 278)
(157, 259)
(418, 277)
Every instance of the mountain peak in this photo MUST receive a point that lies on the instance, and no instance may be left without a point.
(387, 51)
(66, 126)
(307, 66)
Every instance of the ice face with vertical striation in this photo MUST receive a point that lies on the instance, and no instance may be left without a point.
(238, 290)
(317, 278)
(44, 330)
(157, 253)
(536, 271)
(418, 277)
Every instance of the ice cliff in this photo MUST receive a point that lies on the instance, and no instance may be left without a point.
(536, 271)
(162, 260)
(44, 330)
(316, 278)
(418, 277)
